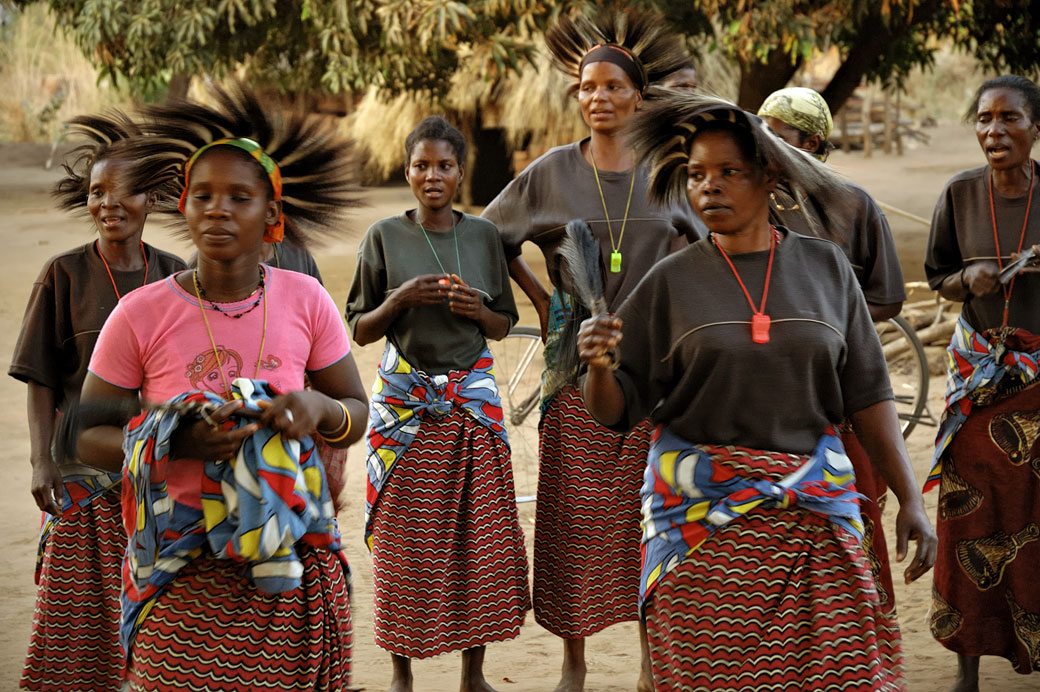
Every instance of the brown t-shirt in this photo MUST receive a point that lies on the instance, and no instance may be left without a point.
(962, 234)
(868, 244)
(70, 301)
(431, 338)
(560, 186)
(688, 361)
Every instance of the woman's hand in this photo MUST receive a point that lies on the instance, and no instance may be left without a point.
(464, 300)
(298, 414)
(47, 485)
(425, 289)
(912, 525)
(981, 278)
(1033, 265)
(597, 338)
(211, 441)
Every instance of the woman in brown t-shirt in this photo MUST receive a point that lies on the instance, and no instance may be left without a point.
(75, 632)
(753, 573)
(986, 454)
(586, 543)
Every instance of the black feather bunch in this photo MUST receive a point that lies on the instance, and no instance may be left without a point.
(316, 163)
(580, 253)
(106, 136)
(640, 32)
(662, 132)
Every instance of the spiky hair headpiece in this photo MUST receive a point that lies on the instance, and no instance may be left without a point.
(643, 36)
(107, 135)
(315, 163)
(662, 133)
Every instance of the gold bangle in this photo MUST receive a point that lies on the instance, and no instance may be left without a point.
(346, 419)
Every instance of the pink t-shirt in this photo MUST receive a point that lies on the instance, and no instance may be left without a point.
(156, 341)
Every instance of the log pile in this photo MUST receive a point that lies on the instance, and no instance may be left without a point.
(933, 319)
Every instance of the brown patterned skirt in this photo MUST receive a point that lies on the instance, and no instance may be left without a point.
(775, 600)
(75, 630)
(986, 601)
(587, 527)
(449, 566)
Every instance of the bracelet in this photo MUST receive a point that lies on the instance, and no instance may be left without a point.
(346, 420)
(964, 284)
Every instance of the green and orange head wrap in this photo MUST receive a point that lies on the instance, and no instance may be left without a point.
(272, 234)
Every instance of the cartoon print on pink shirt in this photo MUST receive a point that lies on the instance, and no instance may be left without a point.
(205, 371)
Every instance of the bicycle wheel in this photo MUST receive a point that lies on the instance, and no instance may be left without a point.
(518, 371)
(907, 368)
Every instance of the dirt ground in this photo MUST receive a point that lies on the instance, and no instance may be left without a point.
(35, 231)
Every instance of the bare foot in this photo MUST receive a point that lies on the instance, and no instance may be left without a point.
(473, 671)
(401, 681)
(646, 672)
(572, 678)
(967, 674)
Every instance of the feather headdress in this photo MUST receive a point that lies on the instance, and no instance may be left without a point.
(642, 35)
(662, 133)
(107, 135)
(315, 163)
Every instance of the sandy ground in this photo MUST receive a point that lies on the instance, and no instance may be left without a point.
(35, 231)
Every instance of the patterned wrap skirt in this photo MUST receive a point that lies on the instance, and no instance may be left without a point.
(75, 631)
(212, 629)
(985, 600)
(448, 560)
(587, 523)
(777, 598)
(870, 484)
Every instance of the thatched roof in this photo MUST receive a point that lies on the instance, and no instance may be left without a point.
(531, 107)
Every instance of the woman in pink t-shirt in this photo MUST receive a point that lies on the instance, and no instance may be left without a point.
(195, 613)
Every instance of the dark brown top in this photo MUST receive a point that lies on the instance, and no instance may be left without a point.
(560, 186)
(70, 301)
(688, 361)
(962, 234)
(431, 338)
(868, 244)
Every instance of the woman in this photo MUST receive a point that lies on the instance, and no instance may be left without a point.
(586, 544)
(985, 458)
(233, 579)
(746, 363)
(800, 117)
(75, 642)
(448, 559)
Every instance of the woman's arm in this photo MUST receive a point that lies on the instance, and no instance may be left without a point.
(101, 443)
(427, 289)
(468, 302)
(336, 406)
(877, 429)
(533, 289)
(46, 478)
(597, 337)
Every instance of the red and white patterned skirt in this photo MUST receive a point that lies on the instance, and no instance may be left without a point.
(448, 560)
(211, 629)
(75, 631)
(587, 527)
(777, 599)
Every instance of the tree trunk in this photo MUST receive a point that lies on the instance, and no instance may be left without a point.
(179, 83)
(873, 37)
(758, 80)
